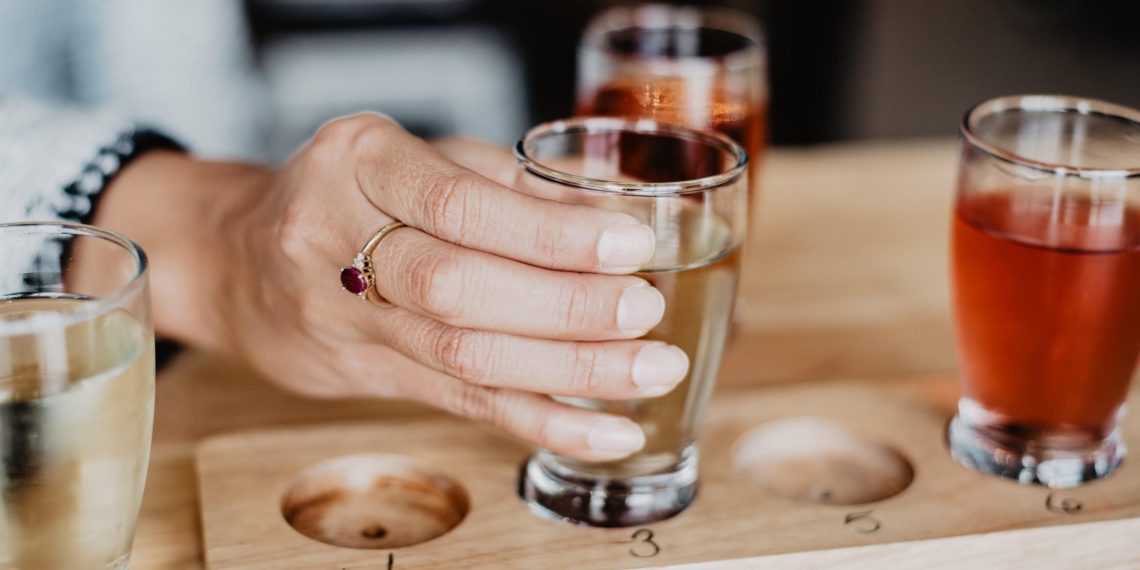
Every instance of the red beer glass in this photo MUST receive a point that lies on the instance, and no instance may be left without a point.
(1046, 286)
(702, 68)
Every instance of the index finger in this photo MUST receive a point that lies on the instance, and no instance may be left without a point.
(406, 178)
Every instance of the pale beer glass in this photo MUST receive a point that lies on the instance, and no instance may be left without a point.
(76, 395)
(690, 187)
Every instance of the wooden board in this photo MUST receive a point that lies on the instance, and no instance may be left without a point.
(243, 477)
(845, 276)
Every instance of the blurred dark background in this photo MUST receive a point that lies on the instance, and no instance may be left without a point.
(838, 69)
(254, 78)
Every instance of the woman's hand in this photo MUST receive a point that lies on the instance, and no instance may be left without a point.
(497, 297)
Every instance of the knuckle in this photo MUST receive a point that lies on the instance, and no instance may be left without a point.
(536, 425)
(450, 206)
(344, 136)
(372, 129)
(338, 132)
(473, 402)
(573, 307)
(547, 240)
(498, 407)
(543, 432)
(585, 374)
(295, 235)
(437, 280)
(460, 353)
(350, 128)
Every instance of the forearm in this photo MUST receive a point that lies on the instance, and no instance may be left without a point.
(182, 211)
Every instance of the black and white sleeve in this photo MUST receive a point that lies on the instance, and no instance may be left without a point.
(55, 161)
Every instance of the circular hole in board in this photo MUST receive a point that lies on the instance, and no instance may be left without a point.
(373, 501)
(820, 461)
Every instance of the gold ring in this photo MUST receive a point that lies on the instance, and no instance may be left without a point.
(360, 278)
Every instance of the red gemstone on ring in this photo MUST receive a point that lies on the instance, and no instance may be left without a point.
(353, 280)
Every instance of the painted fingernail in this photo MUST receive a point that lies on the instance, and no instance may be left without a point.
(659, 365)
(627, 245)
(640, 308)
(615, 435)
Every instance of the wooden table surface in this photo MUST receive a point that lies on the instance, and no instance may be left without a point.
(846, 277)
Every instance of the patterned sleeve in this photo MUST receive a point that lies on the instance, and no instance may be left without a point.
(55, 160)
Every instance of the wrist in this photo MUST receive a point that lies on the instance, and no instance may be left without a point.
(184, 213)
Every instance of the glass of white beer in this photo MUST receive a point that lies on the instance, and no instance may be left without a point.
(76, 395)
(691, 188)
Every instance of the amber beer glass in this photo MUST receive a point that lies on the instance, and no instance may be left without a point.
(689, 186)
(1046, 279)
(703, 68)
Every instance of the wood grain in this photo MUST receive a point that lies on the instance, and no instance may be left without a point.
(1069, 546)
(243, 478)
(847, 273)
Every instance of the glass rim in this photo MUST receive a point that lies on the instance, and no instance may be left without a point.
(644, 126)
(94, 308)
(720, 18)
(1055, 104)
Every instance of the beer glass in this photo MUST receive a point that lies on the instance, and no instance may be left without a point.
(76, 395)
(1046, 279)
(689, 186)
(704, 68)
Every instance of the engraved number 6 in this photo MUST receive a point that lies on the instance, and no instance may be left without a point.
(864, 522)
(1067, 506)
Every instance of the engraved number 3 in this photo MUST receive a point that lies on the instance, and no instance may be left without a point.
(644, 536)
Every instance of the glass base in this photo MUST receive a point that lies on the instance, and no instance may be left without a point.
(1030, 461)
(556, 492)
(121, 563)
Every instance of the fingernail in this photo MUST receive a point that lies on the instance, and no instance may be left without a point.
(615, 434)
(659, 365)
(626, 245)
(640, 308)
